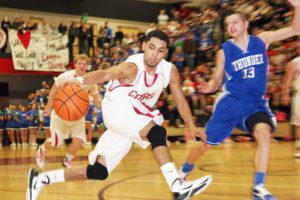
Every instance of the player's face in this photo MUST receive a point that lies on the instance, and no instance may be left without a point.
(235, 25)
(80, 67)
(154, 51)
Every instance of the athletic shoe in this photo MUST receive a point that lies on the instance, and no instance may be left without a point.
(33, 144)
(67, 163)
(13, 145)
(34, 184)
(261, 193)
(24, 145)
(40, 157)
(187, 189)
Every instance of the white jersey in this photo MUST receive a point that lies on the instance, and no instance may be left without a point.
(67, 76)
(132, 103)
(142, 94)
(145, 89)
(127, 108)
(296, 62)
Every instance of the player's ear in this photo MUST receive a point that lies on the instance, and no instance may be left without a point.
(143, 46)
(167, 51)
(247, 24)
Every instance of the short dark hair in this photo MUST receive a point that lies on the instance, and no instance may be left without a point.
(157, 34)
(243, 16)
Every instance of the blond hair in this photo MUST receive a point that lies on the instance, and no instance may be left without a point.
(82, 57)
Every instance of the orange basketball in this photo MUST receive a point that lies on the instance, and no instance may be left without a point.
(71, 102)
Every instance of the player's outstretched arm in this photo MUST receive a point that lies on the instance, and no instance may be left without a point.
(181, 103)
(217, 77)
(124, 70)
(273, 36)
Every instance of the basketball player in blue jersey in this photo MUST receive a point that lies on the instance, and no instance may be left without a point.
(242, 65)
(134, 88)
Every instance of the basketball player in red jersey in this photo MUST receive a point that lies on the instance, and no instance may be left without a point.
(133, 90)
(61, 129)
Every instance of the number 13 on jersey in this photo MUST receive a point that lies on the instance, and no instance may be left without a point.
(248, 73)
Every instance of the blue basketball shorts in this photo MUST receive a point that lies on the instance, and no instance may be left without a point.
(231, 112)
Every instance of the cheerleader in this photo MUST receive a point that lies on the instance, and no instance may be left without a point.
(33, 124)
(23, 116)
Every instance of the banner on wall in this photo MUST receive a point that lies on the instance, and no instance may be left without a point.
(39, 50)
(2, 38)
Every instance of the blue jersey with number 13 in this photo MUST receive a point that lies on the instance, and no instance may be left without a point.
(246, 70)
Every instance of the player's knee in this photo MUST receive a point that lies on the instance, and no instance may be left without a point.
(96, 171)
(157, 136)
(263, 134)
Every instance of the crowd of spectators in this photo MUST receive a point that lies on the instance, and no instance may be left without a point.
(195, 37)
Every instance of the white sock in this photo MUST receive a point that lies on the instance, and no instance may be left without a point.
(55, 176)
(43, 147)
(69, 156)
(171, 175)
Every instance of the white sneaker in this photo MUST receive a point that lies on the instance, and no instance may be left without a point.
(34, 144)
(34, 184)
(261, 193)
(40, 157)
(24, 145)
(13, 145)
(187, 189)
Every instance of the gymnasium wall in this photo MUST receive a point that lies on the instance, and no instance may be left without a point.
(20, 86)
(115, 9)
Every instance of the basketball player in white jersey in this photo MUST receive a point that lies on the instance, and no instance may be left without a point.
(61, 129)
(134, 88)
(292, 75)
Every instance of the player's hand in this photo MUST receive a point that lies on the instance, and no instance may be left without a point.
(295, 3)
(73, 81)
(206, 87)
(197, 134)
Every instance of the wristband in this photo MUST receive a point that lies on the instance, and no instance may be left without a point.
(80, 79)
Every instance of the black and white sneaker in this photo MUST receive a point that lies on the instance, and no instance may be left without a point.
(191, 188)
(34, 184)
(261, 193)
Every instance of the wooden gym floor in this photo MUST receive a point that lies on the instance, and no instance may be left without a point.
(138, 177)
